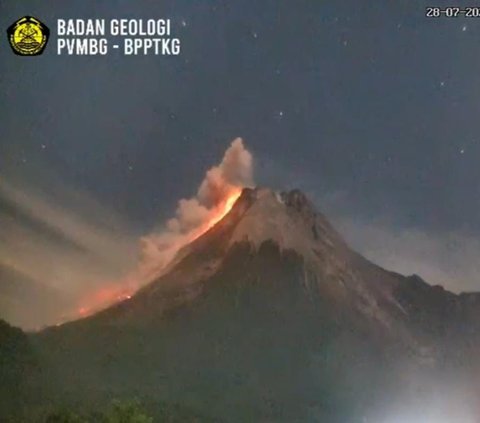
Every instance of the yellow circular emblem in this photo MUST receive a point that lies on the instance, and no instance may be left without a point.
(28, 36)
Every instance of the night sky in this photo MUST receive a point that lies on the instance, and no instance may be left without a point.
(369, 107)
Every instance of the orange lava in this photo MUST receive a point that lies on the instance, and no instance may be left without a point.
(103, 298)
(223, 209)
(107, 296)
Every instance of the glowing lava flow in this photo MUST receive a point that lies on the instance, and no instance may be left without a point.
(223, 209)
(104, 298)
(107, 296)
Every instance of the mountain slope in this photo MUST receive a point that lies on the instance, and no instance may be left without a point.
(269, 316)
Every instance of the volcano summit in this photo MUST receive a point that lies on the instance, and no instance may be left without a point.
(270, 316)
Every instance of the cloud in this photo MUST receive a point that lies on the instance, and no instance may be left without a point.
(47, 240)
(85, 232)
(448, 258)
(442, 258)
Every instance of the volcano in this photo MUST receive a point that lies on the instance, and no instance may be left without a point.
(270, 316)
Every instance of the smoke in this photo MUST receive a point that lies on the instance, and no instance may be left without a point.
(193, 216)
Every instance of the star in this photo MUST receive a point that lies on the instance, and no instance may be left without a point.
(43, 146)
(254, 34)
(184, 23)
(462, 151)
(464, 28)
(442, 83)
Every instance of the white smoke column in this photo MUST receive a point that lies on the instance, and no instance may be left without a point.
(193, 215)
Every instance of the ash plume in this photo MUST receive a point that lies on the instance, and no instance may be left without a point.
(195, 214)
